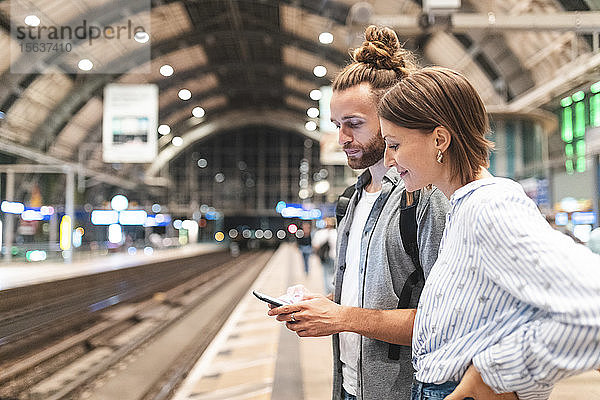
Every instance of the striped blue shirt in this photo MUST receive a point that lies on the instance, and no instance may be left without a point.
(509, 294)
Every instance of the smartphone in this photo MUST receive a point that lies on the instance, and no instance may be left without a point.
(269, 299)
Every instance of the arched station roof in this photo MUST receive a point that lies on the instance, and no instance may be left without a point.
(256, 57)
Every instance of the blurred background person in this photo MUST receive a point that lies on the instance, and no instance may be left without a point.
(304, 241)
(323, 243)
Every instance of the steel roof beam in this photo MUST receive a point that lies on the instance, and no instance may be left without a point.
(42, 158)
(108, 14)
(238, 28)
(279, 38)
(280, 119)
(578, 21)
(568, 76)
(80, 94)
(31, 62)
(593, 4)
(93, 85)
(337, 11)
(232, 91)
(180, 125)
(269, 69)
(5, 23)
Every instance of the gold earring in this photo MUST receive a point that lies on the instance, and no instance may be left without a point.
(440, 157)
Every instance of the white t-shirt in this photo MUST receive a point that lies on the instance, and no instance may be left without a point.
(350, 341)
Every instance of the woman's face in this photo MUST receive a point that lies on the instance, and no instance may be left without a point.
(413, 153)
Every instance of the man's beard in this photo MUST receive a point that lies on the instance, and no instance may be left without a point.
(372, 152)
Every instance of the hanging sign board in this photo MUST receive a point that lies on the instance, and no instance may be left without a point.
(129, 125)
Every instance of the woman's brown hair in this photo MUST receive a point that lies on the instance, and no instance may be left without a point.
(380, 62)
(433, 97)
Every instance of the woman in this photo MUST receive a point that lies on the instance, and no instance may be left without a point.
(509, 300)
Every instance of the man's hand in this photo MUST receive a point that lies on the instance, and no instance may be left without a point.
(317, 316)
(473, 386)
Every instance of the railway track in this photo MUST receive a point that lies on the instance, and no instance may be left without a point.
(135, 350)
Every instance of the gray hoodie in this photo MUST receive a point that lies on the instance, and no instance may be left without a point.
(384, 268)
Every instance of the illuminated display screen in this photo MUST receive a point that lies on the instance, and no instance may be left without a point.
(130, 129)
(578, 112)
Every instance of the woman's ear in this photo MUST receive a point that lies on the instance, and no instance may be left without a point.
(442, 138)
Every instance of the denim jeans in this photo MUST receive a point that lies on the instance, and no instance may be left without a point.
(347, 396)
(431, 391)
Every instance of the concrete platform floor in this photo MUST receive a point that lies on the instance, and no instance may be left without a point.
(257, 358)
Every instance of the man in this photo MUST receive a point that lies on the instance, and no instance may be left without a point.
(372, 267)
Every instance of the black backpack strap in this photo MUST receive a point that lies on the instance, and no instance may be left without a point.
(408, 230)
(342, 204)
(408, 233)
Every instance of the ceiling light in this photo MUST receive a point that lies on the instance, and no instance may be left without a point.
(166, 70)
(316, 94)
(326, 38)
(177, 141)
(312, 112)
(164, 129)
(310, 126)
(85, 64)
(32, 20)
(198, 112)
(141, 37)
(320, 71)
(185, 94)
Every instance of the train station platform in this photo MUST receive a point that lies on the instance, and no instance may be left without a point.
(19, 274)
(255, 357)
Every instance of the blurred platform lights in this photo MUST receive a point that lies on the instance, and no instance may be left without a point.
(120, 216)
(29, 214)
(300, 211)
(66, 227)
(116, 220)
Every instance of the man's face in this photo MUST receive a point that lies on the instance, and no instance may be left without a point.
(354, 112)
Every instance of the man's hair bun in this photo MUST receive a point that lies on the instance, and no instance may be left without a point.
(381, 62)
(382, 49)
